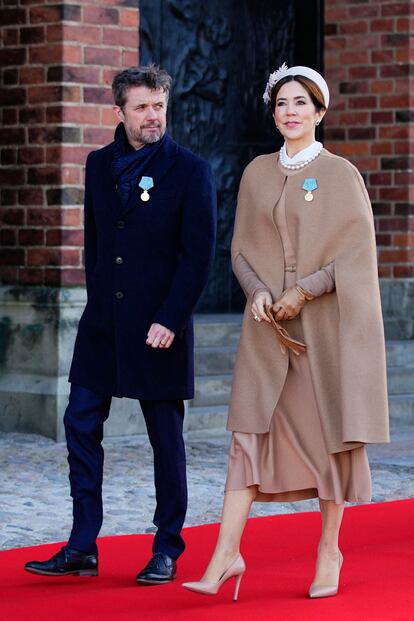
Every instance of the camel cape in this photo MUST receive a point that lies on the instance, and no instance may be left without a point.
(343, 329)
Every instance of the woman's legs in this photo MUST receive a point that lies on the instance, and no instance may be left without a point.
(236, 510)
(327, 564)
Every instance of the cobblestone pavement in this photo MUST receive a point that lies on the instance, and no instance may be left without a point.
(35, 506)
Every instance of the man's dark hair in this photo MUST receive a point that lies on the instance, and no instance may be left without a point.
(150, 76)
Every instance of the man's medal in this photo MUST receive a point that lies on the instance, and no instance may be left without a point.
(145, 184)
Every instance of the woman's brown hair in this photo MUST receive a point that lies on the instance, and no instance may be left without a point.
(313, 89)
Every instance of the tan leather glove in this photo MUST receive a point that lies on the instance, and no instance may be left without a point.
(290, 303)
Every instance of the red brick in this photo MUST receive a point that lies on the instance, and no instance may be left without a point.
(45, 54)
(404, 178)
(97, 95)
(382, 56)
(383, 239)
(31, 75)
(382, 25)
(396, 256)
(7, 237)
(367, 10)
(46, 175)
(8, 156)
(29, 36)
(382, 117)
(125, 38)
(45, 14)
(108, 75)
(71, 175)
(395, 40)
(403, 148)
(64, 237)
(392, 224)
(44, 217)
(108, 117)
(71, 93)
(350, 57)
(354, 27)
(51, 256)
(405, 24)
(29, 276)
(31, 237)
(10, 77)
(31, 155)
(380, 178)
(8, 197)
(100, 15)
(129, 18)
(68, 73)
(335, 14)
(83, 115)
(12, 96)
(394, 131)
(67, 154)
(363, 72)
(31, 196)
(404, 239)
(393, 194)
(11, 176)
(404, 55)
(52, 277)
(8, 276)
(72, 277)
(102, 56)
(43, 94)
(9, 116)
(129, 58)
(97, 136)
(363, 102)
(403, 271)
(10, 36)
(350, 88)
(382, 86)
(381, 148)
(384, 271)
(367, 42)
(72, 54)
(82, 34)
(396, 8)
(395, 101)
(12, 17)
(353, 148)
(11, 256)
(34, 115)
(72, 217)
(396, 71)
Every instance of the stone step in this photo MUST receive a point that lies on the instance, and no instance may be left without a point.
(211, 390)
(205, 417)
(400, 353)
(214, 360)
(402, 409)
(217, 330)
(400, 380)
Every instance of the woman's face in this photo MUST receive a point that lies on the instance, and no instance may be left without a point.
(295, 115)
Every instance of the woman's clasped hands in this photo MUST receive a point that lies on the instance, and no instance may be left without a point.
(288, 306)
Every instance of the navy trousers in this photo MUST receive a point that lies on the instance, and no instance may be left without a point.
(84, 419)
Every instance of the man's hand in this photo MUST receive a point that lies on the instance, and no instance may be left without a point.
(159, 336)
(289, 305)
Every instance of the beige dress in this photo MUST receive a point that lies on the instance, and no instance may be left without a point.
(291, 461)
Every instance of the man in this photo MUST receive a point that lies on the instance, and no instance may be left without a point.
(150, 215)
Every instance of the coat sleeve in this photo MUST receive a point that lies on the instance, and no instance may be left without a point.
(197, 239)
(90, 236)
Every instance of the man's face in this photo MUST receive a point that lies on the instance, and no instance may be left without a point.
(144, 115)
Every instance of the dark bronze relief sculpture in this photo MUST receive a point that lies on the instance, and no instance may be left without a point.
(219, 53)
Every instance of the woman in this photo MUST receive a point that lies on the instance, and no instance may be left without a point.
(303, 247)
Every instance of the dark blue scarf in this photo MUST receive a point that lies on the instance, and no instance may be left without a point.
(128, 164)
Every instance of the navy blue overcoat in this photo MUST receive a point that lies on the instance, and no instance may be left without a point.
(145, 262)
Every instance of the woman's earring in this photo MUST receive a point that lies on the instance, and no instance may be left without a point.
(317, 123)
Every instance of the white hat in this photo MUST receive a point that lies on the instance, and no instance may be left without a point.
(306, 72)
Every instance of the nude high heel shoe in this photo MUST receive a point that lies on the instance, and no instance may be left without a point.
(236, 570)
(328, 590)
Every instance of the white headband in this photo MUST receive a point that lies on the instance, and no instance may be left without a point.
(306, 72)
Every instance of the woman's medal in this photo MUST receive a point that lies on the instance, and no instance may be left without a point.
(309, 185)
(145, 184)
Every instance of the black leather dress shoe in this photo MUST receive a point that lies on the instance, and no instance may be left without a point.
(67, 562)
(160, 569)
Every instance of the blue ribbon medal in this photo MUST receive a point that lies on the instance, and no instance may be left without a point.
(310, 184)
(146, 184)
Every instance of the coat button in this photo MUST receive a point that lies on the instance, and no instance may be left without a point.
(119, 295)
(119, 260)
(120, 224)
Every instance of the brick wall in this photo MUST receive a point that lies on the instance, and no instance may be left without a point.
(58, 62)
(369, 63)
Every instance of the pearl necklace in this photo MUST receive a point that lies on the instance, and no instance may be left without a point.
(297, 166)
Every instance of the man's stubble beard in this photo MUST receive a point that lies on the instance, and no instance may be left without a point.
(139, 136)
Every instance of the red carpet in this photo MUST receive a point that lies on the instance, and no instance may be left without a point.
(377, 581)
